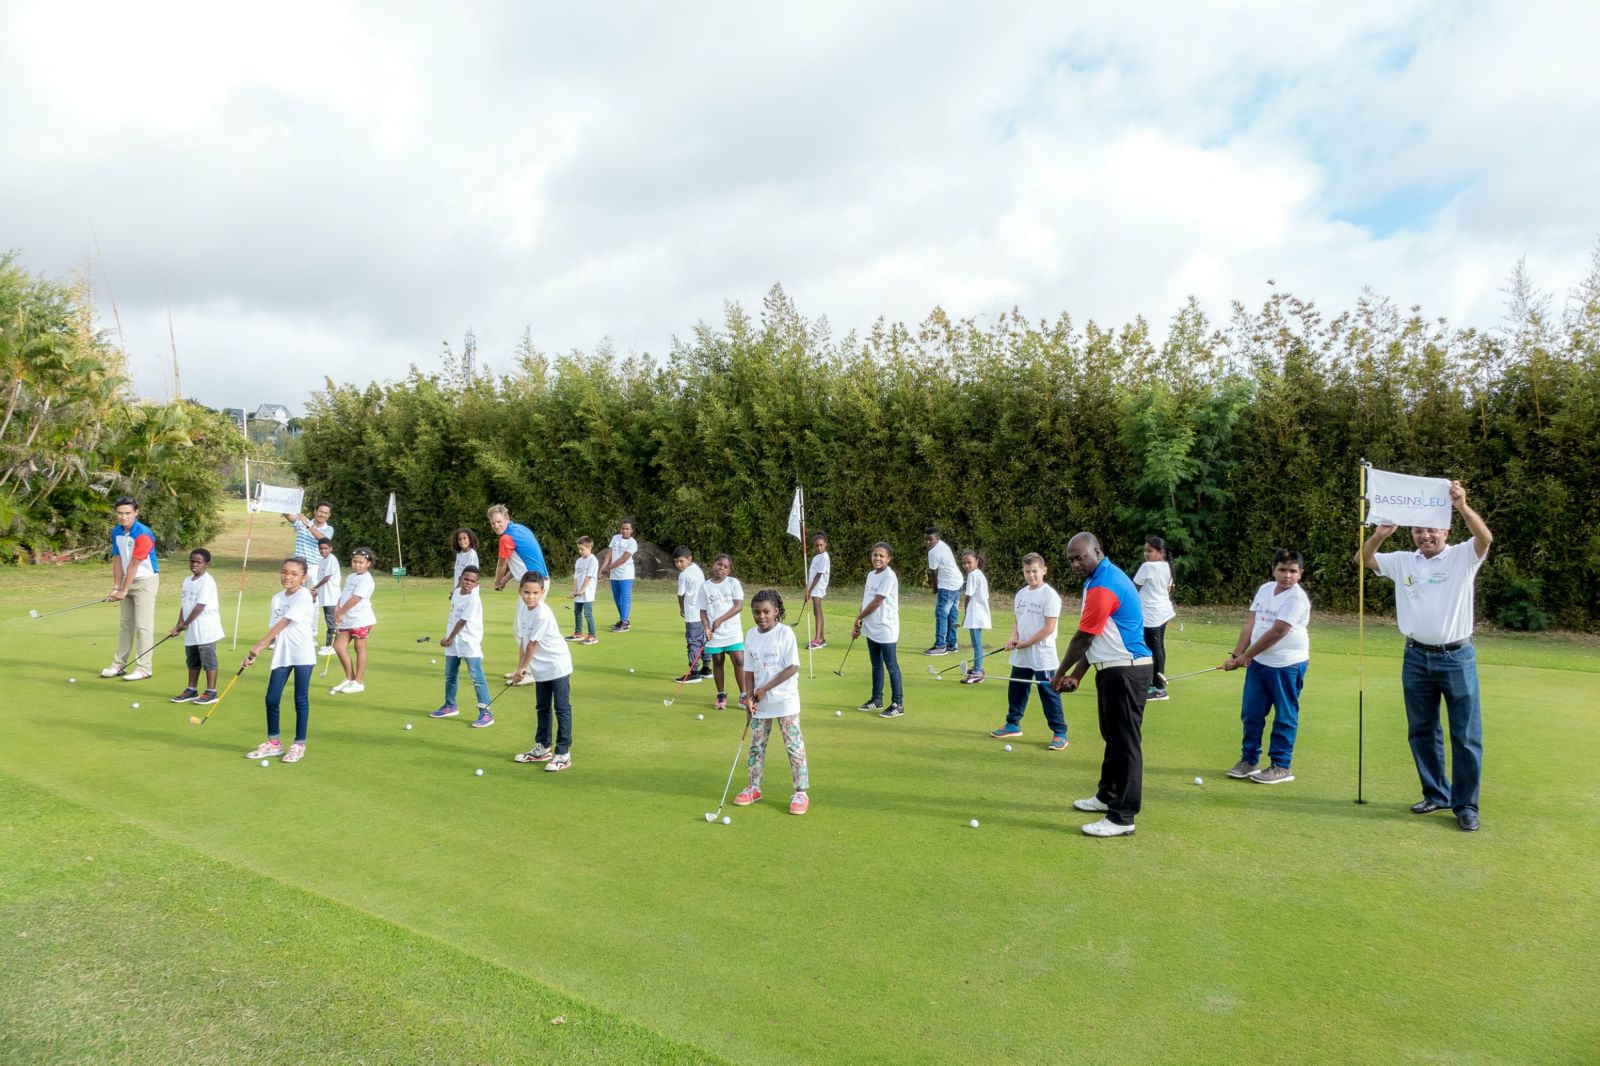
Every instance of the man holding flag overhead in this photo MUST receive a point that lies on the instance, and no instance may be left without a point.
(307, 531)
(1433, 601)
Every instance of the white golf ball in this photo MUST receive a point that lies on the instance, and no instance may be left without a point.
(136, 706)
(726, 820)
(973, 823)
(1199, 780)
(72, 681)
(838, 714)
(478, 772)
(1008, 747)
(700, 717)
(434, 661)
(408, 725)
(630, 669)
(263, 762)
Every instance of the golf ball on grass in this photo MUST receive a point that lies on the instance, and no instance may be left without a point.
(408, 725)
(1199, 780)
(434, 661)
(72, 681)
(726, 820)
(630, 669)
(973, 823)
(699, 717)
(136, 706)
(478, 773)
(1008, 747)
(838, 714)
(263, 762)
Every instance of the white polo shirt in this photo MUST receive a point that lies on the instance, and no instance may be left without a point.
(1433, 597)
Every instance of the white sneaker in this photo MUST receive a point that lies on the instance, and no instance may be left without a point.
(340, 687)
(1091, 805)
(1105, 827)
(352, 687)
(112, 671)
(136, 675)
(326, 649)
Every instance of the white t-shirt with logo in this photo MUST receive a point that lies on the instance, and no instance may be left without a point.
(716, 599)
(362, 614)
(465, 559)
(1031, 607)
(977, 602)
(942, 559)
(523, 624)
(1433, 597)
(619, 545)
(1155, 592)
(552, 659)
(821, 570)
(328, 594)
(1294, 607)
(467, 607)
(585, 576)
(207, 629)
(297, 644)
(690, 578)
(766, 655)
(883, 625)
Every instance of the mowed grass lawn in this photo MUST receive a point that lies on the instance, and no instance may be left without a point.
(162, 899)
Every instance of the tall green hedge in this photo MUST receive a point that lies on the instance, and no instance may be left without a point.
(1012, 435)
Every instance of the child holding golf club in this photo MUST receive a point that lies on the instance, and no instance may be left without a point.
(1274, 648)
(690, 578)
(1154, 582)
(771, 689)
(585, 572)
(548, 659)
(719, 603)
(817, 586)
(977, 612)
(293, 636)
(200, 622)
(879, 620)
(355, 619)
(326, 590)
(1037, 611)
(463, 642)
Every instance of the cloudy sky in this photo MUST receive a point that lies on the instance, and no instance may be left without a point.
(334, 189)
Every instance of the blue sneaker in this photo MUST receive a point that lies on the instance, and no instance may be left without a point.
(484, 719)
(1006, 732)
(1058, 742)
(447, 711)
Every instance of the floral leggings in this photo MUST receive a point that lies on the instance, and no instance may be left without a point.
(793, 743)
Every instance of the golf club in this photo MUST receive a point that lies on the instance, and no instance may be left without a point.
(135, 658)
(840, 672)
(936, 672)
(195, 719)
(737, 752)
(685, 679)
(1162, 681)
(64, 610)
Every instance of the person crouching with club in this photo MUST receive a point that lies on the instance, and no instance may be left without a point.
(294, 629)
(772, 693)
(546, 656)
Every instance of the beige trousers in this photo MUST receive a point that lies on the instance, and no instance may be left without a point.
(137, 630)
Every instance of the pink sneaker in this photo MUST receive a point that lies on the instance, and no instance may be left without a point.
(269, 749)
(748, 796)
(295, 753)
(800, 803)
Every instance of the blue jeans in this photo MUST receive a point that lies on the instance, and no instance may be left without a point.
(1017, 698)
(1426, 676)
(1274, 688)
(452, 669)
(945, 610)
(694, 638)
(977, 650)
(554, 696)
(885, 657)
(622, 596)
(302, 699)
(582, 612)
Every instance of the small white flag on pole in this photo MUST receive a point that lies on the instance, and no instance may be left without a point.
(1404, 500)
(797, 512)
(388, 519)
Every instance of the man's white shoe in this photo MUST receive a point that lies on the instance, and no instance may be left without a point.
(1105, 827)
(136, 675)
(1091, 805)
(112, 671)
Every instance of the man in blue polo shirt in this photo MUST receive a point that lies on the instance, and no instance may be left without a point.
(518, 550)
(1110, 637)
(135, 580)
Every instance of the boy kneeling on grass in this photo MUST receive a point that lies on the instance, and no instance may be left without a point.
(546, 656)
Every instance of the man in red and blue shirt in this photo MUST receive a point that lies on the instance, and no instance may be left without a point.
(135, 580)
(1110, 638)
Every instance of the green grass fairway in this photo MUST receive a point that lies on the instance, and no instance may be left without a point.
(162, 899)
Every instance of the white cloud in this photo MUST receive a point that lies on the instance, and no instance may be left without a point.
(335, 188)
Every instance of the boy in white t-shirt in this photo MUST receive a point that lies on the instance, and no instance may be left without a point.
(293, 636)
(326, 590)
(772, 694)
(817, 575)
(948, 583)
(1274, 648)
(618, 567)
(547, 658)
(200, 622)
(1037, 612)
(585, 574)
(879, 621)
(690, 578)
(463, 642)
(1154, 582)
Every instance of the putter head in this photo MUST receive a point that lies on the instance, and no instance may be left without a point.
(932, 670)
(666, 703)
(838, 673)
(33, 613)
(423, 640)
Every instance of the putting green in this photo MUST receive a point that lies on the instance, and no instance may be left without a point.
(878, 927)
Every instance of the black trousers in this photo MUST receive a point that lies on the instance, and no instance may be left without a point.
(1155, 638)
(1121, 691)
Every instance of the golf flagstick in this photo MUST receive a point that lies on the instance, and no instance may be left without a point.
(1361, 628)
(249, 528)
(737, 752)
(195, 719)
(50, 614)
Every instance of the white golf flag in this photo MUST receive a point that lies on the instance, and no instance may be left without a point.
(388, 519)
(1404, 500)
(797, 516)
(278, 499)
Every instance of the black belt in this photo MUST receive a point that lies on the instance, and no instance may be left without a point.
(1437, 647)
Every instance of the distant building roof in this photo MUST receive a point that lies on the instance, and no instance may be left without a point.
(275, 412)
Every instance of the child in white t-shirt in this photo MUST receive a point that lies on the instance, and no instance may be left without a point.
(1036, 610)
(719, 604)
(463, 643)
(690, 578)
(618, 567)
(879, 620)
(464, 542)
(771, 688)
(200, 622)
(1154, 582)
(1274, 648)
(817, 575)
(546, 657)
(326, 589)
(293, 636)
(354, 618)
(977, 613)
(585, 572)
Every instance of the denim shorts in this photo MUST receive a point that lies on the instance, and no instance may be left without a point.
(201, 656)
